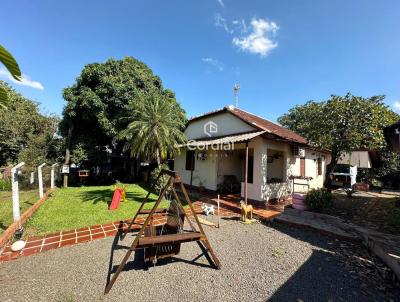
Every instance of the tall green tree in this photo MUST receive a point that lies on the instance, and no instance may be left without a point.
(25, 133)
(341, 124)
(100, 100)
(155, 128)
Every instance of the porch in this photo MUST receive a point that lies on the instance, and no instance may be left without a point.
(267, 178)
(220, 165)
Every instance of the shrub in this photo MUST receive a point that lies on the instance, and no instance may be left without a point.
(318, 199)
(5, 184)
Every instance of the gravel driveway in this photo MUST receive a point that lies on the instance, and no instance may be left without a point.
(259, 263)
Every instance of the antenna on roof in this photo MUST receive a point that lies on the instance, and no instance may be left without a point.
(236, 92)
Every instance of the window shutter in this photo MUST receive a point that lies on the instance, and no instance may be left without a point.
(319, 166)
(190, 160)
(302, 167)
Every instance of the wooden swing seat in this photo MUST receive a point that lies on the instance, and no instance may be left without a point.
(153, 241)
(156, 211)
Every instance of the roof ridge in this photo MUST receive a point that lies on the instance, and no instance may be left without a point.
(238, 112)
(276, 123)
(207, 113)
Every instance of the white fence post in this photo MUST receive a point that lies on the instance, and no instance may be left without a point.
(52, 175)
(15, 192)
(40, 179)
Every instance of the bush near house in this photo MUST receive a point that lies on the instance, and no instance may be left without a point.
(319, 199)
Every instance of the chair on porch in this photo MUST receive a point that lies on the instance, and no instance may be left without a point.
(229, 185)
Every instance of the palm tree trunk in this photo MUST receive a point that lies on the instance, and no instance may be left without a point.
(158, 157)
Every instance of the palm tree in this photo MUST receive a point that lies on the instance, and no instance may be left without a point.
(155, 128)
(12, 66)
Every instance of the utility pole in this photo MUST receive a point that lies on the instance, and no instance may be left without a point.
(236, 89)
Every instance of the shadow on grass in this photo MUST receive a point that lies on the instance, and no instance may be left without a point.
(3, 226)
(96, 196)
(106, 195)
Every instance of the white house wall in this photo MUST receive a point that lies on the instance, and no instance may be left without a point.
(209, 172)
(311, 162)
(227, 124)
(204, 173)
(261, 190)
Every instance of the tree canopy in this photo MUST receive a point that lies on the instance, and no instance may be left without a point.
(100, 100)
(155, 128)
(25, 133)
(342, 123)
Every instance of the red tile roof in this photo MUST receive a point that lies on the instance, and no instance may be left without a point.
(267, 125)
(259, 123)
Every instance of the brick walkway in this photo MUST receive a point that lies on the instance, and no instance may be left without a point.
(229, 207)
(231, 203)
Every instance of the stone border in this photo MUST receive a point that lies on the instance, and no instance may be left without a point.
(10, 231)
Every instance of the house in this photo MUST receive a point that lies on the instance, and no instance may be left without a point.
(223, 144)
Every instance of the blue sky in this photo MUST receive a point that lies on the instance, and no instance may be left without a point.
(281, 53)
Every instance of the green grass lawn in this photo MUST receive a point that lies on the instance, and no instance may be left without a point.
(27, 199)
(71, 208)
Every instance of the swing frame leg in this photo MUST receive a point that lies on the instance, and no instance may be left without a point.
(203, 242)
(135, 242)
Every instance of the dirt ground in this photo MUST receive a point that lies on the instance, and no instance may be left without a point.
(376, 211)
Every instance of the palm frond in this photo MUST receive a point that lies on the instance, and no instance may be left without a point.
(9, 62)
(155, 129)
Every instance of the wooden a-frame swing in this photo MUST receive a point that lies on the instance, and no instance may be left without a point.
(166, 243)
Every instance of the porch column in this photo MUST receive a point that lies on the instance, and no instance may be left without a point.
(246, 168)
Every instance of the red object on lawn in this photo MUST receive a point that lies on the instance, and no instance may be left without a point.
(116, 199)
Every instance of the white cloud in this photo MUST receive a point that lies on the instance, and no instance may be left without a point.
(396, 105)
(220, 21)
(261, 38)
(213, 62)
(221, 3)
(26, 80)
